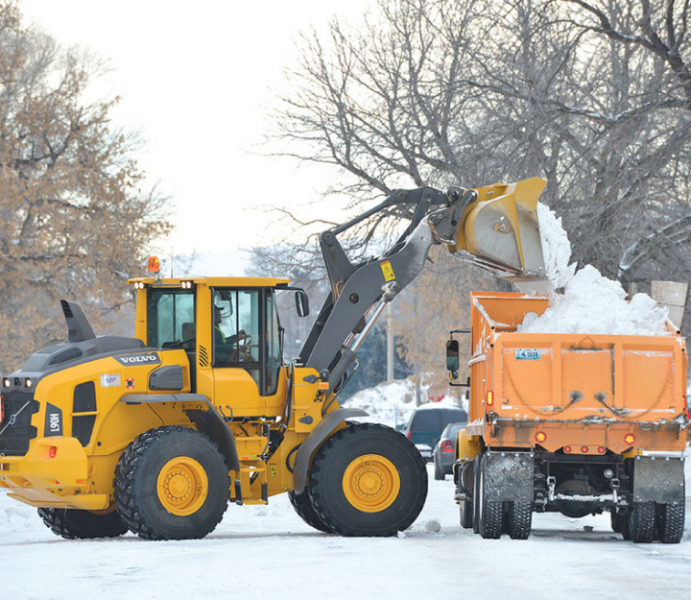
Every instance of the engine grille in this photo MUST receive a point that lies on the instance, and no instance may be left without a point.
(16, 430)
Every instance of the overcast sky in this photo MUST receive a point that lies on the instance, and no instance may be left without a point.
(196, 79)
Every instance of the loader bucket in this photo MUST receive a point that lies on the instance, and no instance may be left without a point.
(500, 230)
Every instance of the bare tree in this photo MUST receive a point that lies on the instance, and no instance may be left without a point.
(73, 222)
(591, 95)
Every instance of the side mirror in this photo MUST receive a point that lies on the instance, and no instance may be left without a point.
(302, 303)
(452, 357)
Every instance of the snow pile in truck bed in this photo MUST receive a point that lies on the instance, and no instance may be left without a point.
(591, 303)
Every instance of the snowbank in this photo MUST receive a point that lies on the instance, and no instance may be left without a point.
(392, 403)
(591, 303)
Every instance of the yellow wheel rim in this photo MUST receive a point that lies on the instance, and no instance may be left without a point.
(371, 483)
(182, 486)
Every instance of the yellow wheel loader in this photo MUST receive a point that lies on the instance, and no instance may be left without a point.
(155, 434)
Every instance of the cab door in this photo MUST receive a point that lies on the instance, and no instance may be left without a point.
(247, 355)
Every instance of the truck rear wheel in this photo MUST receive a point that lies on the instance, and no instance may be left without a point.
(73, 524)
(466, 510)
(671, 523)
(305, 510)
(641, 525)
(520, 520)
(172, 483)
(616, 519)
(368, 480)
(465, 506)
(490, 513)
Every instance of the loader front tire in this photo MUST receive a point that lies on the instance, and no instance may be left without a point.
(73, 524)
(303, 507)
(368, 480)
(171, 484)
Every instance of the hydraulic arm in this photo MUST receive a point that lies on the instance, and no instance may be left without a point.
(493, 227)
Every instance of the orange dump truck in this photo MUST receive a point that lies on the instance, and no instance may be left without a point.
(573, 423)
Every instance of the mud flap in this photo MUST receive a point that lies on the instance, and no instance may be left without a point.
(509, 476)
(658, 479)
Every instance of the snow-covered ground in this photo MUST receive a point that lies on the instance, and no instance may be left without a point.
(268, 552)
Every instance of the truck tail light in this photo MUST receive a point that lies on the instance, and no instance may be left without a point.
(489, 398)
(630, 439)
(410, 434)
(601, 449)
(584, 449)
(446, 446)
(52, 451)
(567, 449)
(540, 437)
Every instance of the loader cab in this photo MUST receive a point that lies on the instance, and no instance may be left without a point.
(230, 331)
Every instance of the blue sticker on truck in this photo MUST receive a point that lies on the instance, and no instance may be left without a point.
(527, 354)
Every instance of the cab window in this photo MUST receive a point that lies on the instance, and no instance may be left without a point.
(170, 316)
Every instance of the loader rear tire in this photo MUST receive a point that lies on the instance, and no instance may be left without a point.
(73, 524)
(641, 524)
(172, 483)
(368, 480)
(303, 507)
(671, 523)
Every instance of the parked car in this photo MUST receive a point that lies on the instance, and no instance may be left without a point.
(427, 423)
(444, 451)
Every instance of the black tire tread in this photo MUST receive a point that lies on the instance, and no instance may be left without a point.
(642, 522)
(520, 520)
(492, 518)
(466, 512)
(74, 524)
(318, 478)
(305, 510)
(671, 523)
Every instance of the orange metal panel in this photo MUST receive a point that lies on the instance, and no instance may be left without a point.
(587, 390)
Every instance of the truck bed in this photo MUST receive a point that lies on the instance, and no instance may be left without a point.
(580, 393)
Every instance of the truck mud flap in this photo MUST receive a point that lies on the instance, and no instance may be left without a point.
(658, 479)
(509, 476)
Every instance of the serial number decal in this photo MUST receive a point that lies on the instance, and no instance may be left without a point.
(110, 380)
(150, 358)
(387, 270)
(527, 354)
(53, 423)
